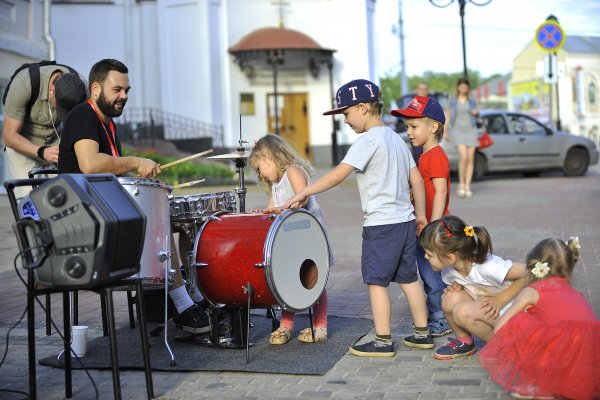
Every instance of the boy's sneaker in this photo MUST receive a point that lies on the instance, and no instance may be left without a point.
(439, 327)
(419, 343)
(370, 350)
(454, 349)
(192, 319)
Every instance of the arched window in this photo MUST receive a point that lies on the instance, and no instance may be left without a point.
(592, 93)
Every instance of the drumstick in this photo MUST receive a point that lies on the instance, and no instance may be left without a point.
(203, 153)
(180, 185)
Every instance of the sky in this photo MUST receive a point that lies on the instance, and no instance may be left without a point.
(495, 33)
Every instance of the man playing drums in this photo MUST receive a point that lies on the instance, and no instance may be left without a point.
(89, 145)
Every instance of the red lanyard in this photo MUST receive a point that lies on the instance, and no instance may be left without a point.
(111, 125)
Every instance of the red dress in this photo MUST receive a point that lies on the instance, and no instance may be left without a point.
(552, 349)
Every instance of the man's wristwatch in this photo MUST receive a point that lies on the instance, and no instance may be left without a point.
(40, 151)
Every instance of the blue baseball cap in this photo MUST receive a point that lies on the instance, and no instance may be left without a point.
(354, 92)
(421, 106)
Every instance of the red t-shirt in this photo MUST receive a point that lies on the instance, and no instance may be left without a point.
(434, 164)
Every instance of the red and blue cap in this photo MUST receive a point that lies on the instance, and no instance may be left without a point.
(420, 107)
(353, 93)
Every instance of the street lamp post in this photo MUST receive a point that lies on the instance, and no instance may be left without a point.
(461, 4)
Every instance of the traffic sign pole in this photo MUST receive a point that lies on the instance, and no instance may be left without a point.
(558, 124)
(551, 37)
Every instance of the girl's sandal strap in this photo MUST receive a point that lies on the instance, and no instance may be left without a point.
(306, 335)
(280, 336)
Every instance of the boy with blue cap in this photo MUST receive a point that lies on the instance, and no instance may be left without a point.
(386, 172)
(424, 119)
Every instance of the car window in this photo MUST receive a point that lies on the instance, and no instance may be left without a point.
(523, 125)
(496, 124)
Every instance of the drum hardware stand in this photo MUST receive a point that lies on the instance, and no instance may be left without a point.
(240, 163)
(73, 314)
(249, 290)
(165, 258)
(274, 320)
(312, 326)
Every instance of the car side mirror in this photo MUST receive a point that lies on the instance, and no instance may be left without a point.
(548, 131)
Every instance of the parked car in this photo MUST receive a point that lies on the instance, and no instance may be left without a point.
(523, 144)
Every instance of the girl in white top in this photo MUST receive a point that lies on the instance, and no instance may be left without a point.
(286, 173)
(481, 286)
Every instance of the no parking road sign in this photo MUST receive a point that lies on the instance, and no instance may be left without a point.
(550, 36)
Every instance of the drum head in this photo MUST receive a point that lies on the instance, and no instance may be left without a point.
(297, 251)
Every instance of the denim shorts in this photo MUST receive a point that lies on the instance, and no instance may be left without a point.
(388, 254)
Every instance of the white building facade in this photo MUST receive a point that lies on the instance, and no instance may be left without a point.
(177, 53)
(578, 83)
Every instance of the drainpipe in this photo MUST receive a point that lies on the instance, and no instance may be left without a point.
(49, 39)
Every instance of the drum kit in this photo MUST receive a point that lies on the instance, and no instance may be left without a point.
(239, 260)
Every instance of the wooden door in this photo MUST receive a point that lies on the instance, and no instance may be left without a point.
(292, 109)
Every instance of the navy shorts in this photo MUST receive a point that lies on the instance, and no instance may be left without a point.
(388, 254)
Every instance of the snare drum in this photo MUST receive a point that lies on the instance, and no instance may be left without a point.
(285, 257)
(153, 198)
(197, 207)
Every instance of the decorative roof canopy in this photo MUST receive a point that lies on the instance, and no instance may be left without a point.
(275, 39)
(286, 47)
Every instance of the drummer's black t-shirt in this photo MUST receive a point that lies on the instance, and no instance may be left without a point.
(82, 123)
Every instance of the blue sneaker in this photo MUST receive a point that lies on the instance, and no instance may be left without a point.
(439, 327)
(454, 349)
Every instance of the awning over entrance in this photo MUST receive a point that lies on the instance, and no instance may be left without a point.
(287, 49)
(282, 50)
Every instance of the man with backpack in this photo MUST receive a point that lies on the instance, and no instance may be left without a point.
(31, 120)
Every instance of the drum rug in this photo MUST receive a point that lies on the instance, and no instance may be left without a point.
(294, 357)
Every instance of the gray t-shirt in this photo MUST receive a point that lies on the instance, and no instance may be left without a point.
(382, 162)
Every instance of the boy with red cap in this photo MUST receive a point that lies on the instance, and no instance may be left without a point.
(424, 119)
(385, 173)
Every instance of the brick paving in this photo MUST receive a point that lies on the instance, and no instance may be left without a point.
(517, 211)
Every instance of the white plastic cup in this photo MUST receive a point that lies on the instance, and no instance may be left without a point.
(79, 342)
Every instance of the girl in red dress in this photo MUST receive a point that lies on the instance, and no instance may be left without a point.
(546, 344)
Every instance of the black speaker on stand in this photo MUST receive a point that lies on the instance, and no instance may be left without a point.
(80, 232)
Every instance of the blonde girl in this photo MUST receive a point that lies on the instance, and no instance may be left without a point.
(544, 346)
(286, 173)
(480, 284)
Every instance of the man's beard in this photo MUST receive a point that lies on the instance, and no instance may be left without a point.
(108, 108)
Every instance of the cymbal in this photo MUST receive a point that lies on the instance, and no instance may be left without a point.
(231, 156)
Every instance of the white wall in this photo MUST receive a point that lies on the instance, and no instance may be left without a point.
(83, 36)
(177, 54)
(571, 118)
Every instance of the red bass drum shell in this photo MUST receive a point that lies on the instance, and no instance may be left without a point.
(285, 257)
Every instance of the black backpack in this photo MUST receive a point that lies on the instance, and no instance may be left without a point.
(34, 76)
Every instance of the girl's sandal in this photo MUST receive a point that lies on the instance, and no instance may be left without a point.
(461, 192)
(307, 337)
(280, 336)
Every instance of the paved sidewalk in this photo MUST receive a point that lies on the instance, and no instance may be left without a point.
(517, 211)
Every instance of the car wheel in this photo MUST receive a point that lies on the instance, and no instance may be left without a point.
(576, 162)
(481, 167)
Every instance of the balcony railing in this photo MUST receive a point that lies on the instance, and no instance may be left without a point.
(142, 124)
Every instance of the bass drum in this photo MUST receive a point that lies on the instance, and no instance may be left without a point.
(285, 257)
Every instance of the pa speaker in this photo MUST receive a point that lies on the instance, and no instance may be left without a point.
(81, 231)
